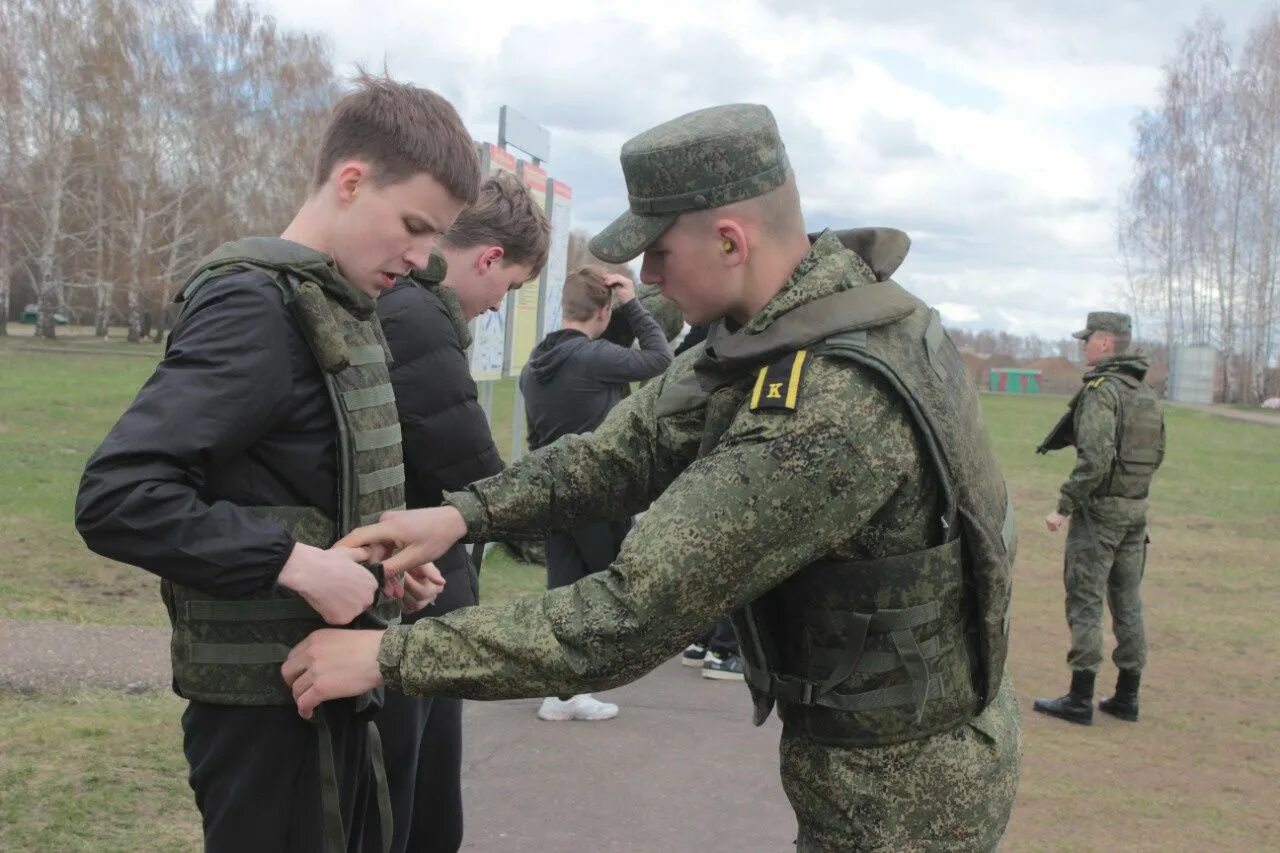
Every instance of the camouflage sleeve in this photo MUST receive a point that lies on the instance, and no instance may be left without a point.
(1095, 446)
(777, 493)
(611, 473)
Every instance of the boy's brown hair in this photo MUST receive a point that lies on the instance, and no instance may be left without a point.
(402, 131)
(585, 293)
(505, 215)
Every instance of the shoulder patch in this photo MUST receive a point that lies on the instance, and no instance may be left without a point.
(777, 387)
(1095, 383)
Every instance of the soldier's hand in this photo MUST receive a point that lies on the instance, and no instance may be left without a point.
(1054, 521)
(419, 536)
(333, 581)
(422, 584)
(332, 664)
(621, 285)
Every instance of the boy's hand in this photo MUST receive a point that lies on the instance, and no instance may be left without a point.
(332, 581)
(622, 286)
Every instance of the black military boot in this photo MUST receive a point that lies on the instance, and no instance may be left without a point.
(1124, 704)
(1076, 706)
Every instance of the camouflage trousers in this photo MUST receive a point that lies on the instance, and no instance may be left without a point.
(950, 791)
(1105, 555)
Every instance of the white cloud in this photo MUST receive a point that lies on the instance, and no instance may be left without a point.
(996, 134)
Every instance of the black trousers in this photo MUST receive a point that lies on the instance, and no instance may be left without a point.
(255, 773)
(585, 549)
(721, 639)
(422, 741)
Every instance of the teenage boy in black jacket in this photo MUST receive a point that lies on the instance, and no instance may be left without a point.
(495, 246)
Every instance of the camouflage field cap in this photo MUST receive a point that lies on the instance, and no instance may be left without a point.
(706, 159)
(1104, 321)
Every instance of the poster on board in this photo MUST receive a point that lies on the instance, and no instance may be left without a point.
(524, 305)
(560, 197)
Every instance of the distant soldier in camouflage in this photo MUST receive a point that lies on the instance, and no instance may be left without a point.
(1117, 427)
(818, 467)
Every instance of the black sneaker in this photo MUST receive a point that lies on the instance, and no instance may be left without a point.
(694, 655)
(725, 669)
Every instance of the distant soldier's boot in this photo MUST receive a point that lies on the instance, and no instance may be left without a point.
(1125, 703)
(1076, 706)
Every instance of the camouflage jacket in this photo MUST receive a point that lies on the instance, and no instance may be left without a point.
(1094, 425)
(841, 476)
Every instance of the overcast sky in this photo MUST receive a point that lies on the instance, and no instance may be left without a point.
(996, 134)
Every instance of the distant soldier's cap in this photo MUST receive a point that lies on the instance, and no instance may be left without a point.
(1105, 321)
(706, 159)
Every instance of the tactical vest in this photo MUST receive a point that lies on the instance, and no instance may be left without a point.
(876, 652)
(1139, 439)
(229, 651)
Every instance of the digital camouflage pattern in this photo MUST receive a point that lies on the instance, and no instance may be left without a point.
(229, 651)
(883, 798)
(701, 160)
(741, 500)
(1105, 321)
(1118, 431)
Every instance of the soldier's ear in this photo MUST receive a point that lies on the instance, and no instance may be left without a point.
(733, 242)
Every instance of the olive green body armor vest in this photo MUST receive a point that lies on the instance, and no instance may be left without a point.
(876, 652)
(1139, 439)
(229, 651)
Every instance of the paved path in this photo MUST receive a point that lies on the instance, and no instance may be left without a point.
(680, 769)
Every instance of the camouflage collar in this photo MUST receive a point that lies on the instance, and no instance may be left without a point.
(829, 268)
(453, 307)
(1133, 364)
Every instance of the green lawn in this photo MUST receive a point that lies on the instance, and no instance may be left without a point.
(1198, 773)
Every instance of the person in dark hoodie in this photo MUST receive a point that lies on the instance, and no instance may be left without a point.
(493, 247)
(571, 382)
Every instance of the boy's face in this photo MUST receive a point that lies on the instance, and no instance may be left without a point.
(383, 232)
(484, 278)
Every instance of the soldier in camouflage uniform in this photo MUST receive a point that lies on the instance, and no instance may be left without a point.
(1117, 427)
(818, 467)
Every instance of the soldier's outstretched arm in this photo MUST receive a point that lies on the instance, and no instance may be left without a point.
(779, 492)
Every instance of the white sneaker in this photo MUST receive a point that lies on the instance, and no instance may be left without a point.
(584, 706)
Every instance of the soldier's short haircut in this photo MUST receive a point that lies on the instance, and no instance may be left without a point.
(401, 131)
(779, 209)
(504, 215)
(585, 293)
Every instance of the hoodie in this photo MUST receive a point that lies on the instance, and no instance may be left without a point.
(571, 382)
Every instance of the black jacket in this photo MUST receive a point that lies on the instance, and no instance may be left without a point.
(447, 442)
(572, 382)
(236, 414)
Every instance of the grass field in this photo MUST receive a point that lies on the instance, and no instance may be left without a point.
(104, 771)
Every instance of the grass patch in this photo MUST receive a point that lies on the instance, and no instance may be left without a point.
(94, 771)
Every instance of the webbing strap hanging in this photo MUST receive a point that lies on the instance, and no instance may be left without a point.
(385, 822)
(335, 834)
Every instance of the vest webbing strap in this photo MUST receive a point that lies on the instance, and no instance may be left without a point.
(365, 355)
(803, 692)
(376, 439)
(372, 518)
(385, 822)
(238, 653)
(871, 662)
(367, 398)
(379, 480)
(250, 611)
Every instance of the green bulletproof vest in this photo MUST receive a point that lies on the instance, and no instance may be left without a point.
(881, 651)
(1139, 440)
(229, 651)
